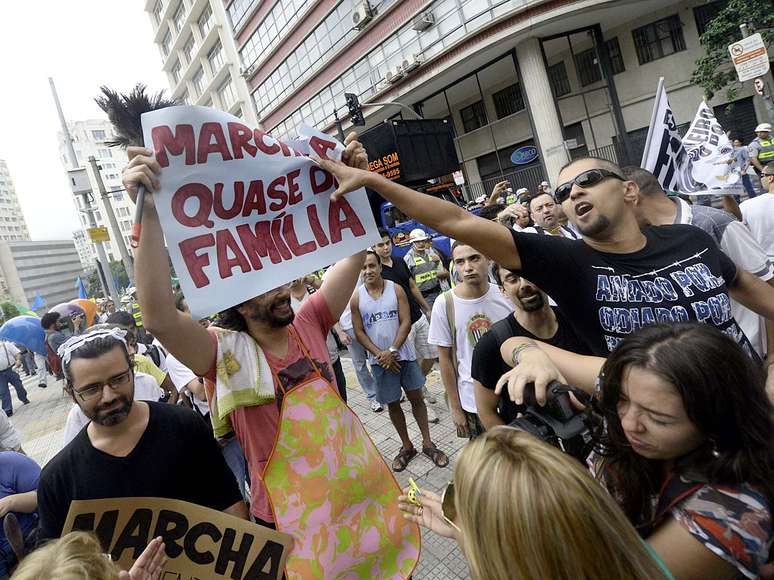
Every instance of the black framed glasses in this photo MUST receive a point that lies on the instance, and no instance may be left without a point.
(588, 178)
(116, 382)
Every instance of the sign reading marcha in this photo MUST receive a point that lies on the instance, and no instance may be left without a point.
(243, 212)
(199, 542)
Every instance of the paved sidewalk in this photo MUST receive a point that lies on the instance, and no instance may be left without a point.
(41, 424)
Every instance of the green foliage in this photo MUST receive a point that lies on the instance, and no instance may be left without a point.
(715, 71)
(118, 271)
(9, 310)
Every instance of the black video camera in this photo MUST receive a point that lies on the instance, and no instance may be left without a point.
(558, 422)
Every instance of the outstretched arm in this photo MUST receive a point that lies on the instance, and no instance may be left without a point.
(492, 239)
(339, 282)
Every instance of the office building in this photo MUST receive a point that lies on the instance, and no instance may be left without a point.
(507, 73)
(199, 56)
(12, 223)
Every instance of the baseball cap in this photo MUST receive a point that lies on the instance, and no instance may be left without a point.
(418, 235)
(763, 127)
(545, 184)
(522, 190)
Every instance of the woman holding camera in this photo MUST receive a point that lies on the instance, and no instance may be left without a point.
(686, 451)
(523, 510)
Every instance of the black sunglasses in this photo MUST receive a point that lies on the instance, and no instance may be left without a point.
(588, 178)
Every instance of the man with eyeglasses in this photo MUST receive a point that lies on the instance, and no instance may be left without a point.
(614, 280)
(130, 448)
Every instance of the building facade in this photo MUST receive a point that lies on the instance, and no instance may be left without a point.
(47, 267)
(89, 140)
(198, 55)
(570, 77)
(13, 226)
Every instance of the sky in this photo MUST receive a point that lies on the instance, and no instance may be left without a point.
(82, 44)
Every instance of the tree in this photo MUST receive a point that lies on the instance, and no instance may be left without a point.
(715, 71)
(93, 286)
(9, 310)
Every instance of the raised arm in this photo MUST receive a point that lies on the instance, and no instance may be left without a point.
(179, 333)
(540, 363)
(490, 238)
(339, 282)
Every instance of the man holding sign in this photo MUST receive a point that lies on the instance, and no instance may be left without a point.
(267, 368)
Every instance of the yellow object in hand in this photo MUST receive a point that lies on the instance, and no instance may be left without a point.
(413, 492)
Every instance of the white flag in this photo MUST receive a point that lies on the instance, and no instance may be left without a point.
(697, 164)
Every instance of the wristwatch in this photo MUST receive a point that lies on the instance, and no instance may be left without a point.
(393, 349)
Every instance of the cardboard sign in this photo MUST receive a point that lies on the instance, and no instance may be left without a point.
(200, 543)
(242, 212)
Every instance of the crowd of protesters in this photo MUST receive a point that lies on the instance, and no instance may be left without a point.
(656, 315)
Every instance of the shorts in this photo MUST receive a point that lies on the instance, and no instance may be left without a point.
(418, 335)
(388, 385)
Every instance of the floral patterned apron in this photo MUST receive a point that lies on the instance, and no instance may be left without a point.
(332, 491)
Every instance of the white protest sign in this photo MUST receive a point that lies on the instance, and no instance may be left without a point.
(750, 57)
(242, 212)
(709, 151)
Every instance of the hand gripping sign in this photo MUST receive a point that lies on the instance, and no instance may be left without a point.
(199, 542)
(242, 212)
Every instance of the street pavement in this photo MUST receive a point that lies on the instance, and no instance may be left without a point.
(41, 424)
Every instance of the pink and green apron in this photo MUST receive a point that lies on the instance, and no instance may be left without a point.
(333, 493)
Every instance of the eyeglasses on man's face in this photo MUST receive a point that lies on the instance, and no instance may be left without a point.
(116, 382)
(588, 178)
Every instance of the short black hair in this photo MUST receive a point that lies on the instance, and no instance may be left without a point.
(231, 319)
(605, 164)
(537, 195)
(49, 318)
(490, 212)
(93, 349)
(644, 179)
(384, 233)
(121, 318)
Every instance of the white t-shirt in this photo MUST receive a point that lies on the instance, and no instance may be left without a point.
(145, 389)
(8, 353)
(472, 319)
(181, 375)
(758, 214)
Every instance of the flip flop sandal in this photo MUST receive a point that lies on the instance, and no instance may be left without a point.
(401, 460)
(436, 456)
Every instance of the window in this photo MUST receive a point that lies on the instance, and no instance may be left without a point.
(706, 13)
(237, 11)
(104, 153)
(188, 49)
(587, 65)
(98, 135)
(166, 43)
(205, 21)
(215, 57)
(158, 8)
(226, 94)
(508, 101)
(616, 57)
(557, 78)
(179, 17)
(198, 83)
(473, 116)
(176, 72)
(659, 39)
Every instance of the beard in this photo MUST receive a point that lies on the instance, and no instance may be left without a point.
(534, 302)
(114, 416)
(594, 228)
(268, 313)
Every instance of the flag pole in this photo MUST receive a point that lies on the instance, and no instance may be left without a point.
(652, 120)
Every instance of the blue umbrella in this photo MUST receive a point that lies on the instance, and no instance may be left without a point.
(37, 302)
(25, 330)
(81, 288)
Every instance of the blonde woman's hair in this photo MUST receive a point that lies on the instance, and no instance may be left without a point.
(528, 511)
(76, 556)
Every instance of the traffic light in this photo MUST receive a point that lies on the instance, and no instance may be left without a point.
(355, 112)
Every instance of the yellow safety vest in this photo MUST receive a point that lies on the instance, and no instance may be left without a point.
(766, 154)
(422, 277)
(136, 314)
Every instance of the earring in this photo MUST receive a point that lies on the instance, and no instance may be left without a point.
(714, 451)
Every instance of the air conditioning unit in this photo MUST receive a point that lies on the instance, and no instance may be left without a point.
(414, 63)
(361, 15)
(393, 76)
(423, 21)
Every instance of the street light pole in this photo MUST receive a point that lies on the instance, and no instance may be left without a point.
(125, 258)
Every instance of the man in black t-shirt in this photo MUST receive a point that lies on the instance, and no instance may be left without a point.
(532, 317)
(614, 280)
(130, 448)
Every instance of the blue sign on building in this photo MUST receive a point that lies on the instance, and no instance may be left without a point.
(524, 155)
